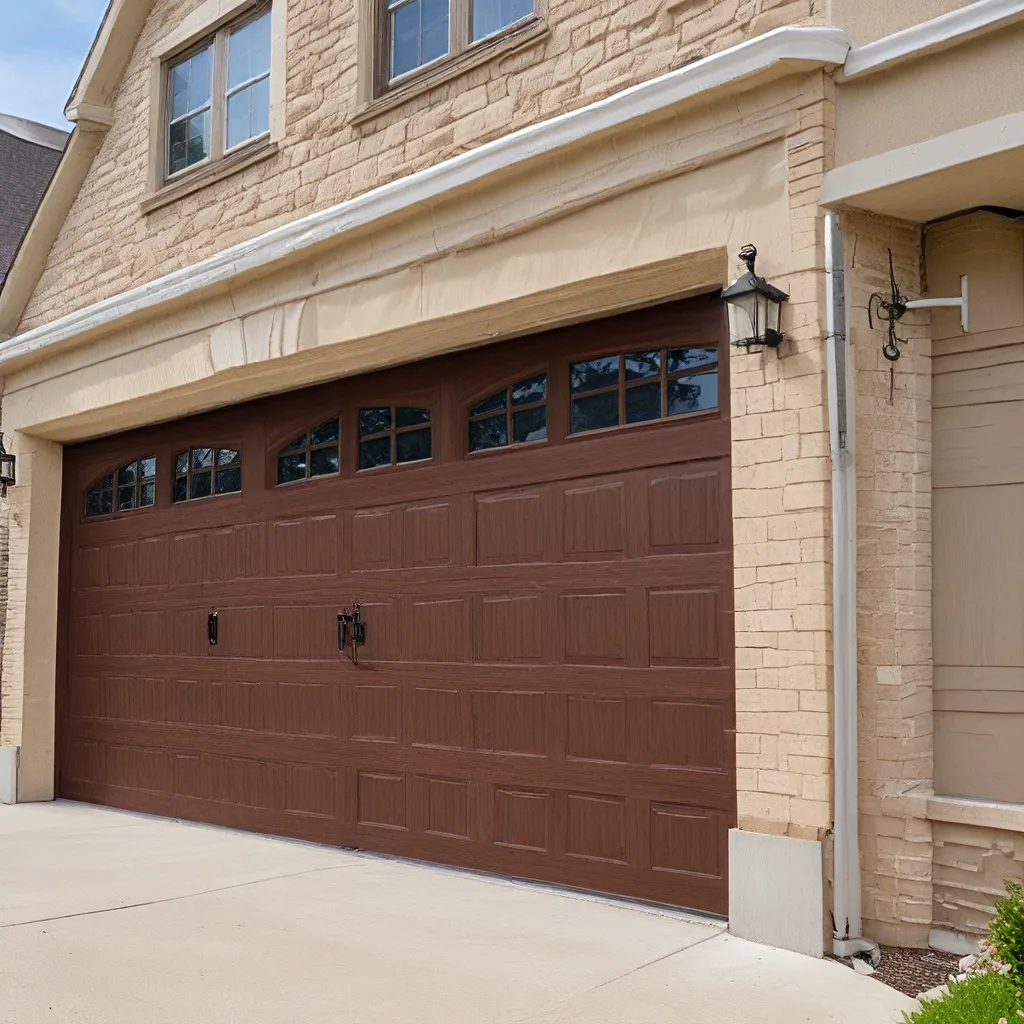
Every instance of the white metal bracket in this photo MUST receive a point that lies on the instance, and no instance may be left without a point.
(960, 303)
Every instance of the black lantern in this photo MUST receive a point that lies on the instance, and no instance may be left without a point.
(6, 469)
(755, 307)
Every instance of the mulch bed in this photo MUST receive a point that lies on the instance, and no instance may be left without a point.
(913, 971)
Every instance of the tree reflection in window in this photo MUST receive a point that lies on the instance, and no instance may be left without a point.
(313, 454)
(132, 486)
(636, 387)
(515, 415)
(392, 435)
(203, 472)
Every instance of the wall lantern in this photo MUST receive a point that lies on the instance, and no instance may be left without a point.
(6, 469)
(755, 308)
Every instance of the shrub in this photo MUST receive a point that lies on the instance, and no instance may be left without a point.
(978, 999)
(1007, 930)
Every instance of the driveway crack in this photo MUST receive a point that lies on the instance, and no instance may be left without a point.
(175, 899)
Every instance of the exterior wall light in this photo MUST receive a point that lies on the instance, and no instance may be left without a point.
(6, 469)
(755, 308)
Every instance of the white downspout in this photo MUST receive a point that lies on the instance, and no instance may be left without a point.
(846, 905)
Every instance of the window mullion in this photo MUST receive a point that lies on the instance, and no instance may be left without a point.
(218, 104)
(459, 28)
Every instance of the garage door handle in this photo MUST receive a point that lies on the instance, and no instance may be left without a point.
(211, 628)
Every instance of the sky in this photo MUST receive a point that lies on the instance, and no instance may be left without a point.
(43, 45)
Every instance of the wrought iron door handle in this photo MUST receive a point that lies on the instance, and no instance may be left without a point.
(211, 628)
(351, 631)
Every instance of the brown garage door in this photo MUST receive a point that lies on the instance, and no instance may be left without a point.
(539, 535)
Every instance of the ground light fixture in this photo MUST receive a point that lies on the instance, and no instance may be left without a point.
(7, 462)
(755, 308)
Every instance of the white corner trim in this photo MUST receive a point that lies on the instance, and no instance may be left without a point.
(931, 36)
(813, 46)
(985, 813)
(896, 166)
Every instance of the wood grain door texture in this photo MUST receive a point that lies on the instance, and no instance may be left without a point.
(539, 536)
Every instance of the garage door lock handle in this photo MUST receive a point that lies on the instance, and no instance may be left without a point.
(351, 631)
(211, 628)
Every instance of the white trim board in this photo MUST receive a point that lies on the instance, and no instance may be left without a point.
(944, 152)
(940, 33)
(811, 46)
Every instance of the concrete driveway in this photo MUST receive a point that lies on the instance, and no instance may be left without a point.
(114, 918)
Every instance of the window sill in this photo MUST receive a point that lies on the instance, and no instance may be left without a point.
(526, 34)
(984, 813)
(233, 164)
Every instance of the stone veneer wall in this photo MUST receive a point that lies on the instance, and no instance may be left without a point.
(594, 48)
(781, 516)
(893, 588)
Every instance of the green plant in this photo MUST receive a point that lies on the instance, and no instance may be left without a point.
(1007, 930)
(978, 999)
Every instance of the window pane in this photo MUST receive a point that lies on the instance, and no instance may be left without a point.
(148, 495)
(323, 461)
(249, 51)
(325, 433)
(688, 358)
(643, 364)
(375, 453)
(595, 412)
(693, 394)
(373, 421)
(229, 480)
(434, 20)
(489, 433)
(413, 446)
(180, 488)
(291, 467)
(405, 38)
(643, 403)
(148, 464)
(249, 113)
(227, 457)
(199, 91)
(179, 90)
(410, 416)
(493, 15)
(533, 390)
(125, 498)
(492, 404)
(597, 373)
(98, 503)
(126, 474)
(202, 457)
(178, 159)
(200, 486)
(198, 138)
(530, 425)
(299, 442)
(181, 463)
(106, 484)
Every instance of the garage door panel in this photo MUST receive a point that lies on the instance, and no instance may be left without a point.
(547, 684)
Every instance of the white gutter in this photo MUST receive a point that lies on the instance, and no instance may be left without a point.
(846, 893)
(940, 33)
(814, 46)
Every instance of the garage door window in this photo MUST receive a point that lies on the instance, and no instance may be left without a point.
(635, 387)
(312, 454)
(132, 486)
(202, 472)
(392, 435)
(513, 415)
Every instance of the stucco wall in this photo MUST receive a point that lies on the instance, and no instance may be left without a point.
(868, 20)
(594, 48)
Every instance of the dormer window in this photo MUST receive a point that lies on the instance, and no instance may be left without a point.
(218, 94)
